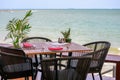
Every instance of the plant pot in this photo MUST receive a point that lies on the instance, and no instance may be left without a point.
(68, 40)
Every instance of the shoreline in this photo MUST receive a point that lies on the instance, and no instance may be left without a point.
(114, 50)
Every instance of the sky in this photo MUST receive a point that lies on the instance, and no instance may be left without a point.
(59, 4)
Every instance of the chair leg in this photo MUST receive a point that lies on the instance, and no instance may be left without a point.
(33, 78)
(93, 76)
(100, 76)
(34, 75)
(3, 78)
(26, 78)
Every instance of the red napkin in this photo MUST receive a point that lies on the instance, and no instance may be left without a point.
(27, 45)
(55, 48)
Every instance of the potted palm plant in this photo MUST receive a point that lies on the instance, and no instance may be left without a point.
(66, 35)
(18, 29)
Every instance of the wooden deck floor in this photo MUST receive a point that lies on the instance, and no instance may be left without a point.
(89, 77)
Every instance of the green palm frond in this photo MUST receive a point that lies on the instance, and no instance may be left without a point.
(66, 33)
(18, 28)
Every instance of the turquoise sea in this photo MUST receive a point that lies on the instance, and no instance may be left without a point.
(86, 25)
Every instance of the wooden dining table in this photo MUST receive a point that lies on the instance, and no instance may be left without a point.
(53, 48)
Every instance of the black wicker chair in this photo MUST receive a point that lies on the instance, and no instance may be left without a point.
(37, 58)
(53, 70)
(15, 66)
(16, 51)
(36, 39)
(100, 50)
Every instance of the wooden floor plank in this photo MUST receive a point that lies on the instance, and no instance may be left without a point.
(89, 77)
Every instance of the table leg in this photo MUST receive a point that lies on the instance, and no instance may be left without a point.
(70, 54)
(118, 71)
